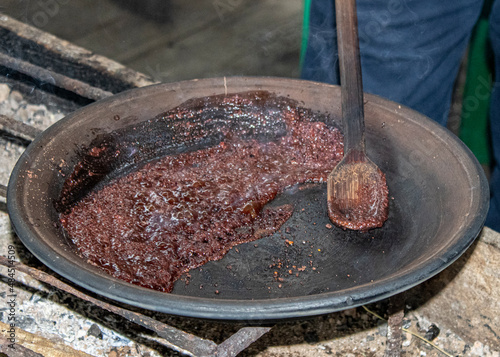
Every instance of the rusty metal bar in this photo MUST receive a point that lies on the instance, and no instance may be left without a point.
(3, 191)
(175, 339)
(18, 128)
(56, 79)
(395, 326)
(240, 341)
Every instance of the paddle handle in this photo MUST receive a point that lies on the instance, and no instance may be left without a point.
(350, 77)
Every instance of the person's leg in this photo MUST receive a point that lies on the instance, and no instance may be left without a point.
(410, 49)
(493, 219)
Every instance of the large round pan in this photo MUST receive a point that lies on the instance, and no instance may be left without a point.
(439, 200)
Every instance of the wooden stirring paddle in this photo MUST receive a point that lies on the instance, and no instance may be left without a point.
(357, 188)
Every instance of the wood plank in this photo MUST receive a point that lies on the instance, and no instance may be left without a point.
(262, 40)
(133, 36)
(46, 50)
(69, 20)
(200, 39)
(38, 344)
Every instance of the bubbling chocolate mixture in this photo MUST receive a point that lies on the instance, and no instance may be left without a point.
(185, 209)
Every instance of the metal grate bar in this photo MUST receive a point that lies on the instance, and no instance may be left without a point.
(56, 79)
(18, 128)
(3, 191)
(176, 339)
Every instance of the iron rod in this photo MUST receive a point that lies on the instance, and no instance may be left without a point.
(18, 128)
(46, 75)
(177, 339)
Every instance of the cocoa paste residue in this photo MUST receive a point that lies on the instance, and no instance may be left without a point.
(183, 210)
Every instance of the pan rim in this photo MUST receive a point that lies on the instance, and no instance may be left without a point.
(248, 310)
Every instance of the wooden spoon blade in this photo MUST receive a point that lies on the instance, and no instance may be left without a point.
(357, 196)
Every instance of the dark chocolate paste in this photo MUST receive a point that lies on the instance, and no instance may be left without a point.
(185, 209)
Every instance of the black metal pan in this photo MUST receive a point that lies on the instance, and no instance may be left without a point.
(440, 200)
